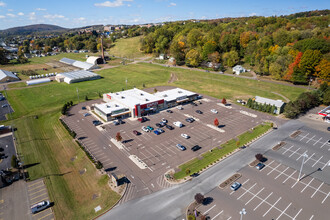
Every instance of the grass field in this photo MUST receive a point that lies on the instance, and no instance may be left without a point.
(129, 48)
(216, 153)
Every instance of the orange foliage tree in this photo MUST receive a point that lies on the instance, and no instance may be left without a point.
(290, 71)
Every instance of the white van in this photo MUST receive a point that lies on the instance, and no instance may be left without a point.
(178, 124)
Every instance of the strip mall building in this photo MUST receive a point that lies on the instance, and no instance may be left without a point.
(136, 103)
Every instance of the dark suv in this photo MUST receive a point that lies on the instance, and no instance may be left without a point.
(195, 148)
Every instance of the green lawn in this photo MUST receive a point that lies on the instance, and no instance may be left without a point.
(129, 48)
(210, 157)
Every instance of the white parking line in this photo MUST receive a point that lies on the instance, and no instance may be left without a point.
(217, 215)
(272, 206)
(317, 141)
(254, 196)
(209, 209)
(304, 137)
(273, 169)
(287, 149)
(325, 165)
(309, 158)
(248, 190)
(302, 154)
(325, 197)
(306, 185)
(294, 184)
(310, 139)
(311, 217)
(294, 152)
(297, 214)
(270, 163)
(289, 176)
(317, 190)
(284, 211)
(229, 218)
(317, 161)
(323, 144)
(281, 173)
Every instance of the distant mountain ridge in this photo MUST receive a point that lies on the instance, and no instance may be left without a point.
(29, 29)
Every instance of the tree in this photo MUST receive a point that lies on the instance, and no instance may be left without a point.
(199, 198)
(208, 48)
(326, 99)
(155, 90)
(193, 58)
(14, 161)
(322, 70)
(216, 122)
(259, 157)
(224, 101)
(214, 57)
(118, 137)
(86, 98)
(92, 47)
(230, 58)
(3, 58)
(309, 60)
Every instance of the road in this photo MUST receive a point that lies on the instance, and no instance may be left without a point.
(171, 203)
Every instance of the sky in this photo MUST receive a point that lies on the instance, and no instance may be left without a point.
(79, 13)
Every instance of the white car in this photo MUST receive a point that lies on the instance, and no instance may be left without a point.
(185, 136)
(145, 129)
(178, 124)
(164, 120)
(179, 107)
(214, 111)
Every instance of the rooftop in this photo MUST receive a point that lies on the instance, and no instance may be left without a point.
(5, 73)
(78, 74)
(110, 107)
(79, 64)
(173, 94)
(277, 103)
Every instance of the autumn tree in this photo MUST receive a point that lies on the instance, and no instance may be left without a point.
(292, 66)
(309, 60)
(118, 137)
(214, 57)
(208, 48)
(224, 101)
(216, 122)
(259, 157)
(193, 58)
(322, 70)
(199, 198)
(230, 58)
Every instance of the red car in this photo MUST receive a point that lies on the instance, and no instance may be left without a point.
(136, 132)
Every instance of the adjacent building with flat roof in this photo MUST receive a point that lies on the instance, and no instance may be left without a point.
(279, 104)
(174, 97)
(76, 76)
(112, 110)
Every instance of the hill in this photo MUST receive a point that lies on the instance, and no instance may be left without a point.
(26, 30)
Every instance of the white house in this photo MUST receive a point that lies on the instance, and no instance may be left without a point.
(238, 69)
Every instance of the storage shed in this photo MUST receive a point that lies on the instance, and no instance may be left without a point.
(76, 76)
(7, 76)
(94, 60)
(38, 81)
(79, 64)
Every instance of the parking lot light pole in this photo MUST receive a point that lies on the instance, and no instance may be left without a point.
(242, 212)
(302, 164)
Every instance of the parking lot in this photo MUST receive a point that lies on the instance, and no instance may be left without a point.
(271, 193)
(5, 108)
(159, 152)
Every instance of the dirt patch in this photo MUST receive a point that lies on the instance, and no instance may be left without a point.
(61, 66)
(81, 172)
(173, 78)
(279, 145)
(295, 134)
(230, 180)
(254, 163)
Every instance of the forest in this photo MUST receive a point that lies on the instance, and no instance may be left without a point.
(293, 48)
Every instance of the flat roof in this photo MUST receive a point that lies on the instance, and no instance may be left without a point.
(134, 97)
(277, 103)
(78, 74)
(79, 64)
(174, 94)
(109, 107)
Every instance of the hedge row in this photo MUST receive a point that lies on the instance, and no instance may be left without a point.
(97, 163)
(72, 133)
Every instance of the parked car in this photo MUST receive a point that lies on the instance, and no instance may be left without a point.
(162, 124)
(169, 111)
(83, 108)
(142, 119)
(190, 120)
(328, 141)
(96, 122)
(260, 166)
(145, 129)
(179, 107)
(150, 128)
(156, 132)
(121, 121)
(86, 114)
(199, 112)
(194, 175)
(194, 104)
(159, 125)
(181, 147)
(164, 120)
(214, 111)
(40, 206)
(185, 136)
(328, 128)
(196, 148)
(178, 124)
(4, 105)
(160, 130)
(235, 186)
(136, 132)
(169, 127)
(115, 122)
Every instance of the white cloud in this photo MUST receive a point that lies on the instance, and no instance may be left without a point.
(116, 3)
(172, 4)
(32, 16)
(10, 10)
(2, 16)
(11, 15)
(53, 16)
(81, 19)
(253, 14)
(41, 9)
(20, 14)
(2, 4)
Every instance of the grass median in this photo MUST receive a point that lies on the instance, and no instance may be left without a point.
(212, 156)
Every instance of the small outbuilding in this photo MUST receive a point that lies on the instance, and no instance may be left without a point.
(7, 76)
(94, 60)
(279, 104)
(238, 69)
(76, 76)
(79, 64)
(38, 81)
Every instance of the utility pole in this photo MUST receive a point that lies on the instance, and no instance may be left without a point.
(302, 164)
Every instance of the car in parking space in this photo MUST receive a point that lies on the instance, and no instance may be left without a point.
(178, 124)
(260, 166)
(169, 111)
(194, 104)
(196, 148)
(160, 130)
(199, 112)
(86, 114)
(328, 141)
(185, 136)
(115, 122)
(121, 121)
(83, 108)
(136, 132)
(40, 206)
(96, 122)
(162, 124)
(142, 119)
(145, 129)
(169, 127)
(179, 107)
(181, 147)
(164, 120)
(235, 186)
(328, 128)
(158, 125)
(156, 132)
(214, 111)
(4, 105)
(150, 128)
(190, 120)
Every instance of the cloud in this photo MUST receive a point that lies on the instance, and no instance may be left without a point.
(116, 3)
(53, 16)
(2, 16)
(32, 16)
(11, 15)
(172, 4)
(20, 14)
(10, 10)
(81, 19)
(2, 4)
(253, 14)
(41, 9)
